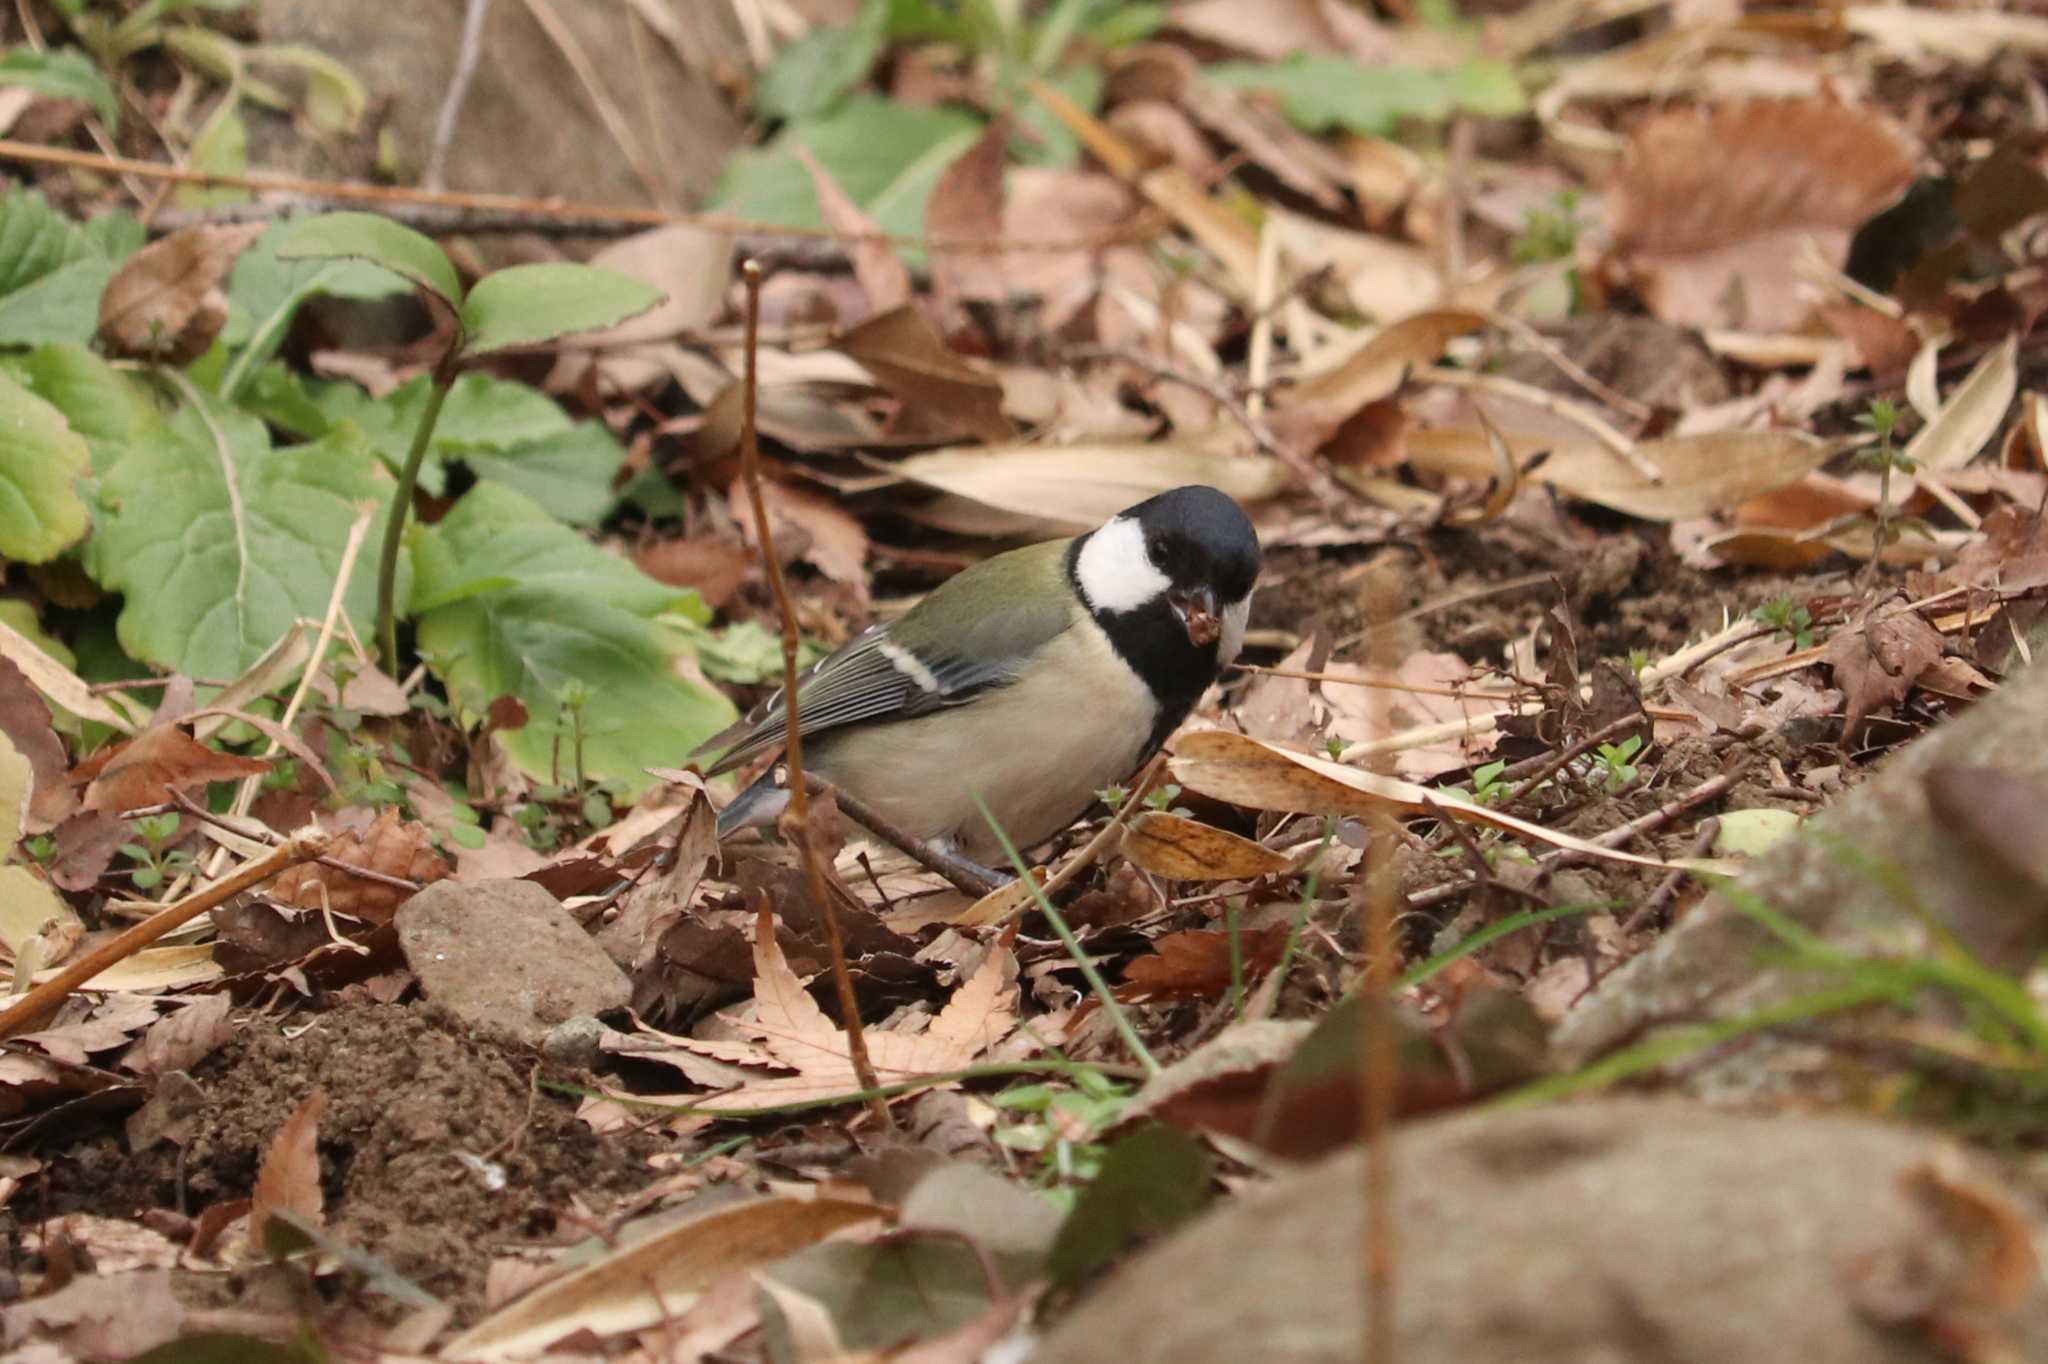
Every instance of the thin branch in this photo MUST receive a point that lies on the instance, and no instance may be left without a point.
(35, 1007)
(468, 48)
(799, 815)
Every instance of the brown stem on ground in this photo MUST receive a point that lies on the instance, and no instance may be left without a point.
(1377, 895)
(35, 1007)
(799, 816)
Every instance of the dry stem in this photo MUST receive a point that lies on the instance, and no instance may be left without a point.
(35, 1007)
(799, 816)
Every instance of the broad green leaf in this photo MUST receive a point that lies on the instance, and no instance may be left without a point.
(366, 236)
(526, 305)
(63, 305)
(219, 542)
(569, 472)
(222, 147)
(1150, 1182)
(817, 70)
(1319, 92)
(885, 155)
(495, 532)
(1487, 86)
(115, 235)
(41, 459)
(265, 291)
(62, 73)
(36, 241)
(103, 404)
(574, 615)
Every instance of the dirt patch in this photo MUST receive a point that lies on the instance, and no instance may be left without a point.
(406, 1096)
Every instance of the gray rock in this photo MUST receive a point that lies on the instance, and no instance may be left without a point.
(574, 1042)
(1613, 1232)
(1842, 879)
(505, 959)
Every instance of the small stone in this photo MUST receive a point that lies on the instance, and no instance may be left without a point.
(505, 959)
(574, 1042)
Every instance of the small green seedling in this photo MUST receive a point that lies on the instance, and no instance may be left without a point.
(1788, 618)
(1882, 421)
(154, 865)
(1616, 768)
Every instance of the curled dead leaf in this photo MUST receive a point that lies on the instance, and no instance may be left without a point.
(165, 303)
(1188, 850)
(390, 846)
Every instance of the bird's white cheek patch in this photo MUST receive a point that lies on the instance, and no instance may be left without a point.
(1234, 617)
(1115, 572)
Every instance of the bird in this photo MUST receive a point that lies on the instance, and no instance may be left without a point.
(1031, 680)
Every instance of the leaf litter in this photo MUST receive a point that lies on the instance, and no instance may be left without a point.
(1628, 596)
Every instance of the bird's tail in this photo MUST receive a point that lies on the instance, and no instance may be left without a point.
(761, 803)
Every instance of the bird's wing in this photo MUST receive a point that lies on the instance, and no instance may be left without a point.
(872, 677)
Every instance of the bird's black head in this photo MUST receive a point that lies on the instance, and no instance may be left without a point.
(1170, 582)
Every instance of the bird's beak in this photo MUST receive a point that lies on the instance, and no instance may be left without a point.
(1196, 608)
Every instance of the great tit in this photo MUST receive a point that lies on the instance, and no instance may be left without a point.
(1033, 679)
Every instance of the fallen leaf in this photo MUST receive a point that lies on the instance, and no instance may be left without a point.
(288, 1180)
(392, 846)
(97, 1316)
(165, 303)
(1187, 850)
(146, 769)
(966, 205)
(644, 1282)
(25, 720)
(691, 265)
(876, 265)
(1152, 1180)
(914, 363)
(183, 1038)
(1877, 658)
(1709, 206)
(1195, 963)
(1081, 486)
(809, 527)
(1375, 370)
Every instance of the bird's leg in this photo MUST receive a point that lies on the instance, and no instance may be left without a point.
(934, 855)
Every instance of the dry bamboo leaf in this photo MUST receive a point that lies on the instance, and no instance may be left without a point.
(650, 1280)
(1376, 368)
(1971, 37)
(59, 683)
(1084, 485)
(1702, 474)
(1188, 850)
(1971, 416)
(289, 1178)
(1260, 776)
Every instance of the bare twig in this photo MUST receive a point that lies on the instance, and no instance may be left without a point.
(1379, 1063)
(799, 815)
(1652, 907)
(469, 47)
(1570, 368)
(35, 1007)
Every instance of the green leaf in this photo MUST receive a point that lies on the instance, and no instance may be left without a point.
(265, 291)
(1042, 139)
(574, 615)
(36, 241)
(1151, 1181)
(1487, 86)
(222, 147)
(336, 98)
(366, 236)
(41, 458)
(885, 155)
(1320, 92)
(115, 235)
(227, 1347)
(220, 542)
(526, 305)
(818, 70)
(570, 473)
(103, 404)
(62, 73)
(61, 306)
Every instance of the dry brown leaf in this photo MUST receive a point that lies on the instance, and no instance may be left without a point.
(1261, 776)
(183, 1038)
(913, 362)
(712, 564)
(691, 265)
(1877, 658)
(25, 720)
(1196, 964)
(1709, 207)
(647, 1281)
(876, 265)
(1701, 474)
(96, 1316)
(1972, 415)
(288, 1180)
(393, 846)
(967, 205)
(1375, 369)
(165, 303)
(1046, 205)
(146, 769)
(1081, 486)
(1188, 850)
(811, 528)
